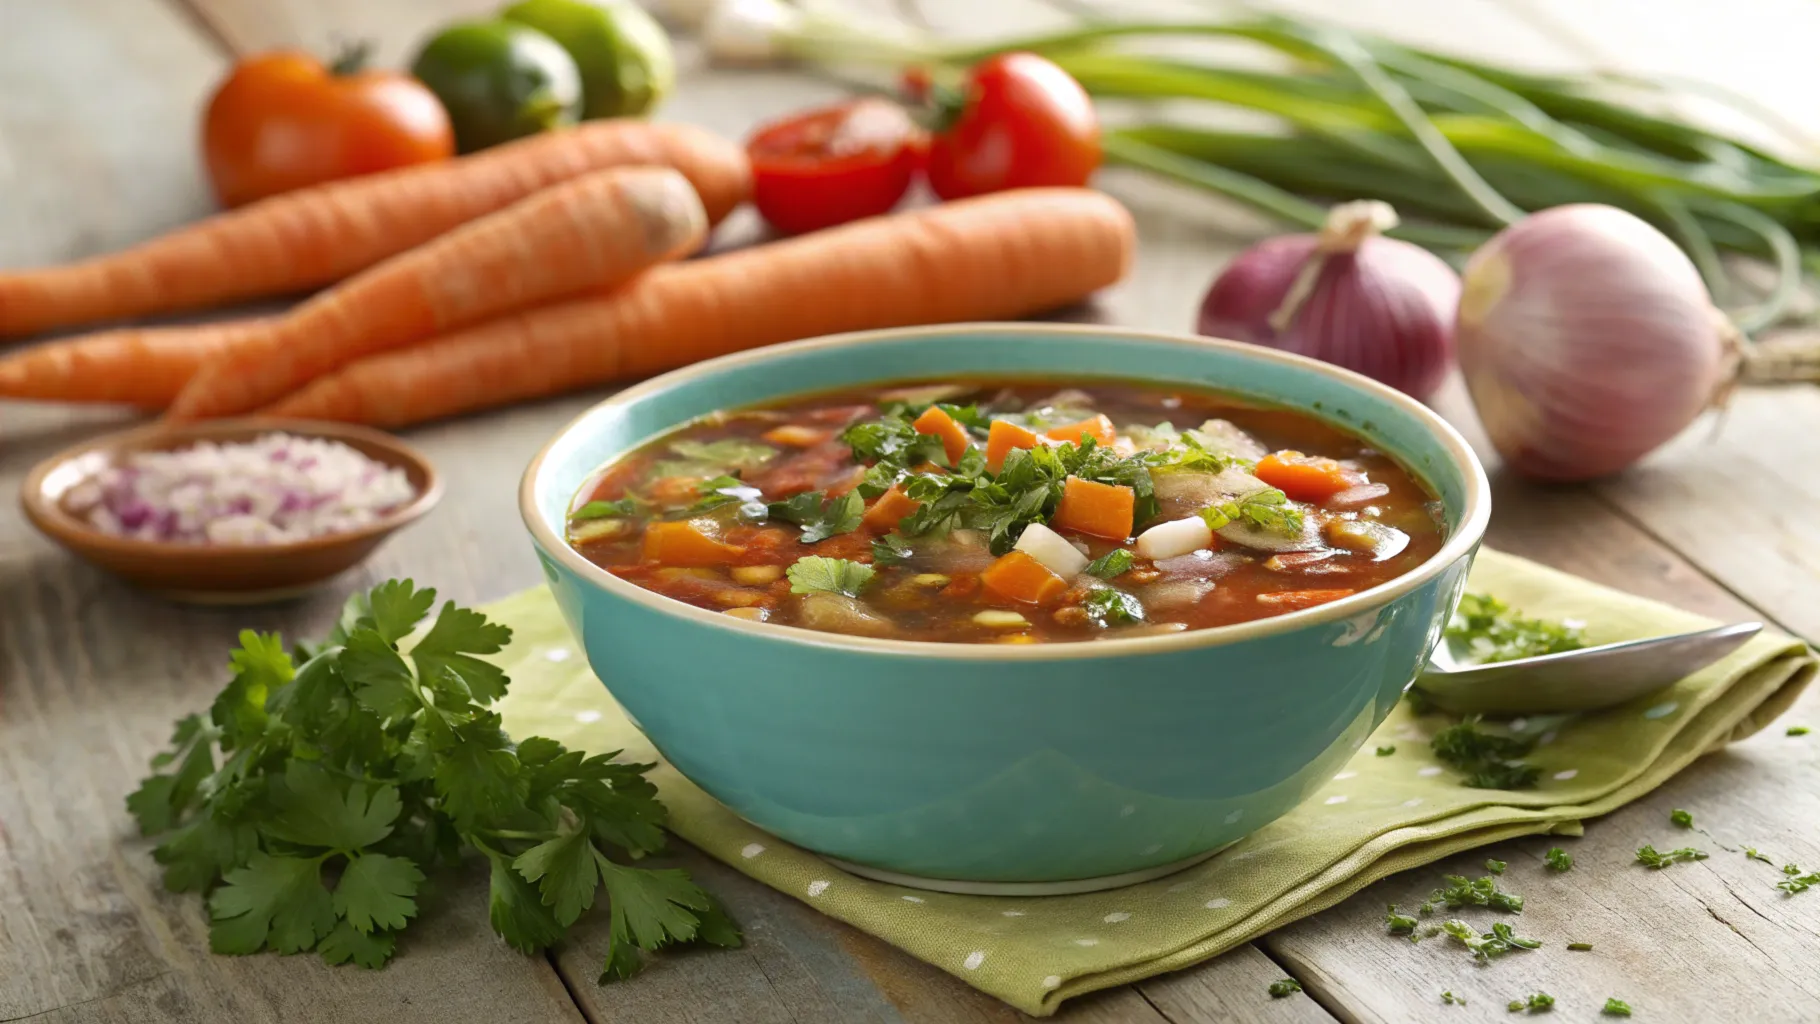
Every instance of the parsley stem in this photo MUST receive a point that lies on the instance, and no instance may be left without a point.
(511, 833)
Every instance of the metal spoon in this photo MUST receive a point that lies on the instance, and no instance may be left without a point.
(1582, 680)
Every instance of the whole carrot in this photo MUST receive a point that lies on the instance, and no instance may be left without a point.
(140, 366)
(315, 236)
(593, 231)
(996, 257)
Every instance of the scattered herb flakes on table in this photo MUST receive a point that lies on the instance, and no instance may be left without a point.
(1489, 631)
(315, 798)
(1284, 987)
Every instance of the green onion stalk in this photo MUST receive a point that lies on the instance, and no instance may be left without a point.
(1460, 147)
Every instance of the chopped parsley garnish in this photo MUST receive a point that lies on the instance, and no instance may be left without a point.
(819, 516)
(1540, 1002)
(1489, 945)
(1490, 632)
(1751, 852)
(1681, 818)
(1284, 987)
(891, 549)
(1649, 858)
(1110, 565)
(1496, 867)
(1480, 892)
(892, 442)
(1799, 883)
(1580, 947)
(605, 510)
(1268, 509)
(313, 799)
(713, 458)
(1387, 750)
(1486, 758)
(1790, 869)
(1615, 1007)
(1399, 924)
(813, 573)
(1798, 730)
(1452, 1000)
(1559, 859)
(1109, 606)
(726, 490)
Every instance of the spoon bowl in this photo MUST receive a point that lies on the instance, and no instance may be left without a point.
(1584, 680)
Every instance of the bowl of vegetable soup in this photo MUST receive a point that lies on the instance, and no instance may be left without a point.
(1007, 608)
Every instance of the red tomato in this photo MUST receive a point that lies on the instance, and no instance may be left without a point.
(1026, 123)
(833, 165)
(283, 121)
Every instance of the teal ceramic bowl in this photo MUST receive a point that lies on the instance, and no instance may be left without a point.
(1009, 768)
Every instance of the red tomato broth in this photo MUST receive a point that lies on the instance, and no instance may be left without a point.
(937, 593)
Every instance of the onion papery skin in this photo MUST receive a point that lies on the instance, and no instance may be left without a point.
(1385, 311)
(1587, 340)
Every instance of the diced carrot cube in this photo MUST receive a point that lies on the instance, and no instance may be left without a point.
(1002, 438)
(680, 544)
(1095, 509)
(953, 435)
(795, 435)
(1097, 427)
(890, 509)
(1306, 477)
(1019, 577)
(1295, 600)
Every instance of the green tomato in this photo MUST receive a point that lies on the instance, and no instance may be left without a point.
(500, 80)
(624, 56)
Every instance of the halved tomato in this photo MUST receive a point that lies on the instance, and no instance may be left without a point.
(835, 164)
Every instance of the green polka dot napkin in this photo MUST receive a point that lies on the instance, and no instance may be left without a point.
(1380, 815)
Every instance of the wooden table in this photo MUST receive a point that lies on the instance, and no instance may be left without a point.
(98, 105)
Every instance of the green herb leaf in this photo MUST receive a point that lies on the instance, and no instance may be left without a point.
(377, 891)
(1799, 883)
(1615, 1007)
(1399, 924)
(819, 516)
(1109, 606)
(1284, 987)
(1110, 565)
(1540, 1002)
(1751, 853)
(1387, 750)
(713, 458)
(1559, 859)
(312, 808)
(1496, 867)
(1485, 757)
(1266, 510)
(813, 573)
(275, 901)
(1452, 1000)
(891, 441)
(649, 910)
(605, 510)
(447, 653)
(1798, 730)
(1580, 947)
(1490, 632)
(566, 873)
(891, 549)
(1481, 892)
(1681, 818)
(346, 944)
(1648, 857)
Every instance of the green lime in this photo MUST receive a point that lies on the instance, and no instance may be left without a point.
(624, 56)
(500, 80)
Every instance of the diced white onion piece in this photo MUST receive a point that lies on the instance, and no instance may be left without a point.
(1167, 540)
(994, 618)
(1051, 549)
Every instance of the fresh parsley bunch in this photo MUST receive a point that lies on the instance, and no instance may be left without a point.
(320, 791)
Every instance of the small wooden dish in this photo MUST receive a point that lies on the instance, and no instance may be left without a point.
(220, 573)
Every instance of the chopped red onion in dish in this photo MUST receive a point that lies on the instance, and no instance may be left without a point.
(276, 489)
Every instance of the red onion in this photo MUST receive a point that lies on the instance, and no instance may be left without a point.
(1345, 296)
(1588, 339)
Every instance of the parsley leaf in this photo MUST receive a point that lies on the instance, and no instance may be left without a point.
(1481, 892)
(1490, 945)
(1540, 1002)
(891, 549)
(1268, 509)
(1615, 1007)
(314, 799)
(1386, 751)
(1798, 730)
(1398, 924)
(1491, 632)
(812, 573)
(1681, 818)
(1110, 565)
(1452, 1000)
(819, 516)
(1798, 883)
(1485, 757)
(1649, 858)
(891, 441)
(713, 458)
(605, 510)
(1580, 947)
(1559, 859)
(1496, 867)
(1108, 606)
(1284, 987)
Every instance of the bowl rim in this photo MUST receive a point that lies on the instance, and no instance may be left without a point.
(1474, 515)
(55, 522)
